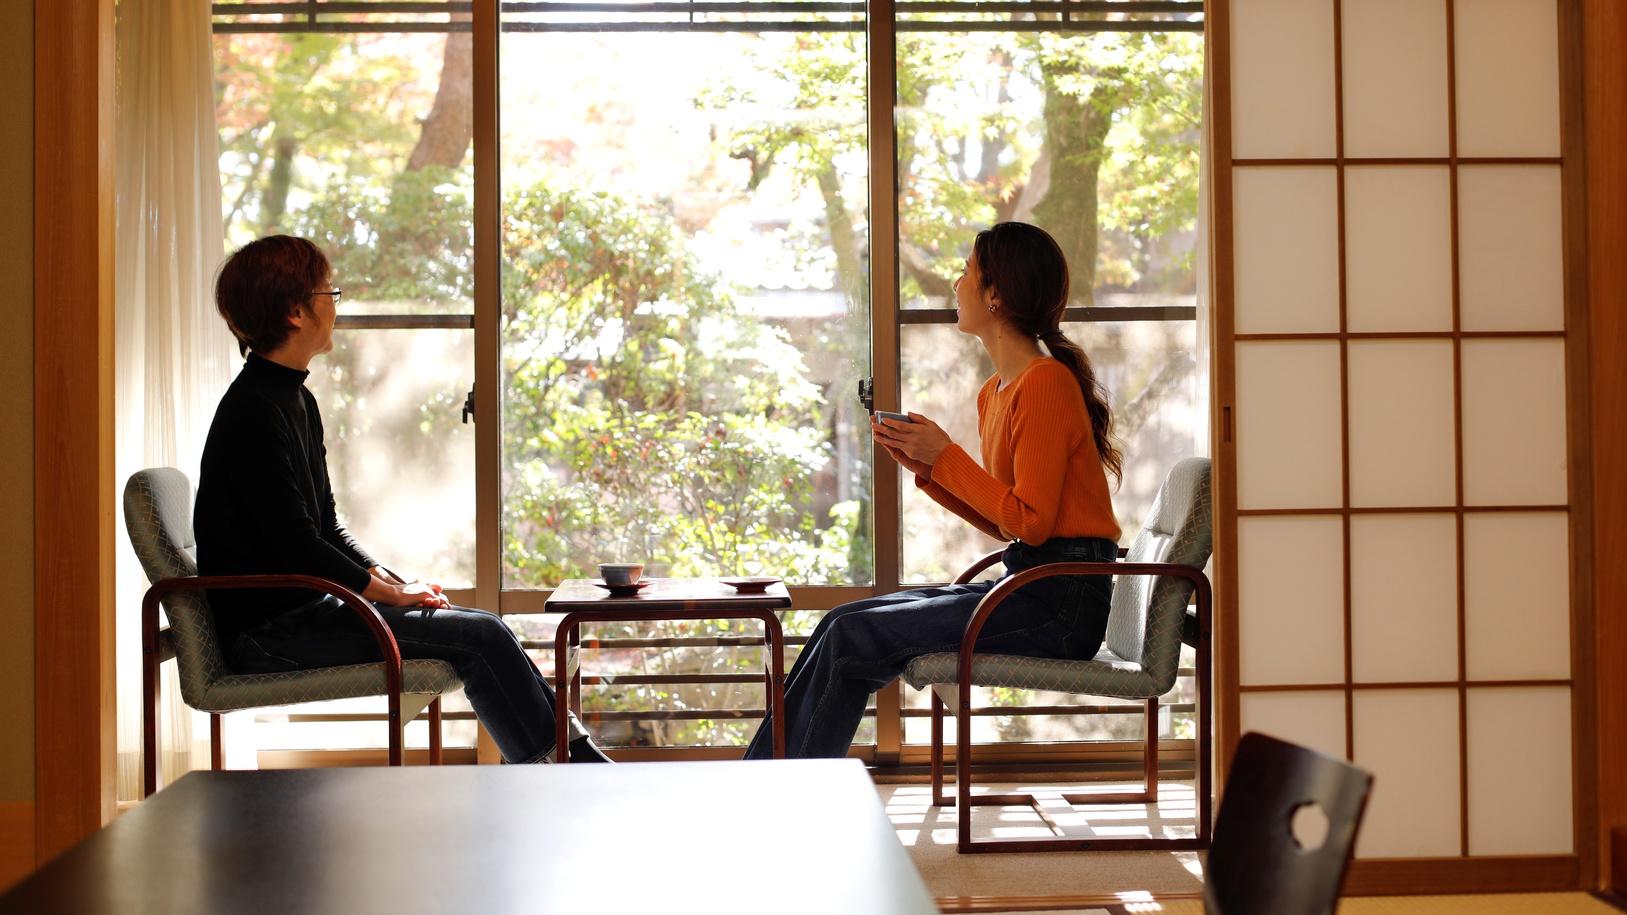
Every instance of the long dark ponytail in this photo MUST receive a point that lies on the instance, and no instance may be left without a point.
(1028, 271)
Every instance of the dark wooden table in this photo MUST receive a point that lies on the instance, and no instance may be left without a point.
(781, 836)
(583, 601)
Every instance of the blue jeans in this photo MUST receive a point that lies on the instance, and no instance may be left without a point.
(509, 694)
(860, 647)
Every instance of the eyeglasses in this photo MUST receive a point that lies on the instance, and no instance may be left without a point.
(336, 293)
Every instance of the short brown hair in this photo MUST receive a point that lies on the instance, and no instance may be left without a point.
(262, 283)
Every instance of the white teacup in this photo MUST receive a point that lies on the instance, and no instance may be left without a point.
(621, 574)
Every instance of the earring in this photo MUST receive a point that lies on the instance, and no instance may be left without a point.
(991, 309)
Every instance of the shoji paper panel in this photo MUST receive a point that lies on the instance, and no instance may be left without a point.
(1291, 599)
(1287, 421)
(1507, 77)
(1395, 78)
(1287, 250)
(1514, 422)
(1402, 445)
(1408, 739)
(1311, 719)
(1516, 570)
(1398, 249)
(1403, 598)
(1511, 247)
(1282, 79)
(1520, 771)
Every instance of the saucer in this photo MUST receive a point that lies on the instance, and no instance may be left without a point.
(623, 590)
(755, 583)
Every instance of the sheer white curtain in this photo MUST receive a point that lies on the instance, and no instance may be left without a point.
(173, 356)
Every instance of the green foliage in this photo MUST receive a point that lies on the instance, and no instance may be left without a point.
(647, 416)
(967, 150)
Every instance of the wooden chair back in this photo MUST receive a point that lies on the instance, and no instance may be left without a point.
(1285, 832)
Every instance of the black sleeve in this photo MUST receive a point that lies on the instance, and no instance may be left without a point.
(265, 471)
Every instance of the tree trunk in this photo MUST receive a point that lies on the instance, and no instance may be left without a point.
(843, 237)
(450, 126)
(274, 203)
(1075, 139)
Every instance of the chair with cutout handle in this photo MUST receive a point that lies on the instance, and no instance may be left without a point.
(158, 517)
(1285, 832)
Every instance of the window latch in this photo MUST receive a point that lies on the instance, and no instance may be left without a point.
(867, 394)
(469, 405)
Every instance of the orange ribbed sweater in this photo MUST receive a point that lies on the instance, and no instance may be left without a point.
(1041, 476)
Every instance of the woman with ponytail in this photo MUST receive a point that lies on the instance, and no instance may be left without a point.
(1042, 484)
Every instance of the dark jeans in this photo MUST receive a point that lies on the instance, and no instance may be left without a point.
(509, 694)
(860, 647)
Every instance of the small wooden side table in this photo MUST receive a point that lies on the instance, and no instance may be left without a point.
(584, 601)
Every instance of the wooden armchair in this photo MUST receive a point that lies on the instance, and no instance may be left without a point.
(1162, 573)
(158, 516)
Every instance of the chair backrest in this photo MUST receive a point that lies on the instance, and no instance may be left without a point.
(1256, 865)
(1144, 624)
(158, 516)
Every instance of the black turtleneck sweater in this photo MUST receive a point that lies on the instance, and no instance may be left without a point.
(265, 505)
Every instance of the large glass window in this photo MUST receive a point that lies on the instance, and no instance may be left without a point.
(683, 295)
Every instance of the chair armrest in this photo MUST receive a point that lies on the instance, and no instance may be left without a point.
(991, 600)
(982, 563)
(151, 657)
(370, 616)
(989, 559)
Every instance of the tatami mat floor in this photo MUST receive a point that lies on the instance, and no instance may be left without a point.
(1513, 904)
(928, 833)
(1118, 883)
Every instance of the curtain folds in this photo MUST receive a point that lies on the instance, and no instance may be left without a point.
(173, 356)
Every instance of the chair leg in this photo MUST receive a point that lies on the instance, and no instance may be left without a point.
(435, 732)
(1149, 776)
(1149, 769)
(217, 742)
(938, 797)
(149, 718)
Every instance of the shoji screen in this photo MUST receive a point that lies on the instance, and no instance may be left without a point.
(1391, 371)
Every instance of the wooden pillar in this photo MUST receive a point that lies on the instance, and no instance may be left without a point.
(1605, 82)
(73, 421)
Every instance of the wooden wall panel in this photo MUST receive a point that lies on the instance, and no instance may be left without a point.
(16, 842)
(17, 405)
(1605, 101)
(73, 421)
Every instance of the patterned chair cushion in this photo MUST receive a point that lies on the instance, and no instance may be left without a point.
(1107, 674)
(158, 515)
(1145, 624)
(239, 691)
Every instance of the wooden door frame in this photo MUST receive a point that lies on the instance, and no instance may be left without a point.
(74, 697)
(1604, 81)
